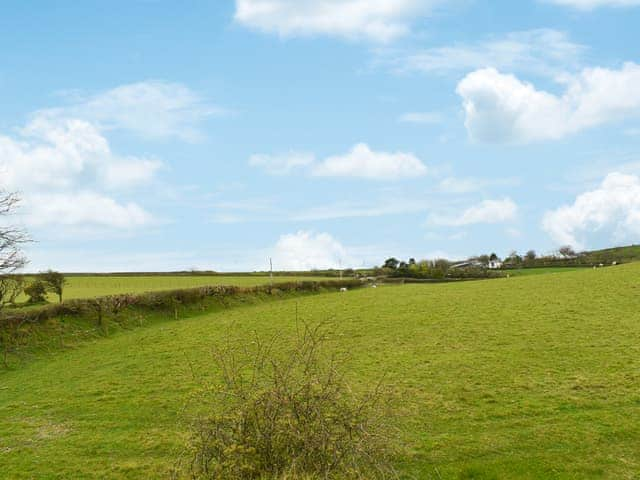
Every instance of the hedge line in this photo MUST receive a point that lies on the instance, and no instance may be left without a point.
(164, 300)
(60, 325)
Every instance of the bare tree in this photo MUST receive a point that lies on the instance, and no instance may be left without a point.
(11, 238)
(11, 259)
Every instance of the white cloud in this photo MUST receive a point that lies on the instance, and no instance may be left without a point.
(362, 162)
(282, 164)
(152, 109)
(487, 211)
(502, 108)
(306, 250)
(591, 4)
(373, 20)
(129, 173)
(54, 159)
(83, 209)
(421, 117)
(612, 209)
(542, 51)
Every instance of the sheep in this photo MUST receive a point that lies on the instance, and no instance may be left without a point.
(343, 289)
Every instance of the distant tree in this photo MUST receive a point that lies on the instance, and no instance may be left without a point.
(55, 282)
(567, 251)
(531, 255)
(514, 258)
(403, 266)
(412, 261)
(36, 291)
(391, 263)
(441, 266)
(11, 286)
(484, 259)
(493, 257)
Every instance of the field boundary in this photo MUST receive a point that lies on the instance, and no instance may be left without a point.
(54, 326)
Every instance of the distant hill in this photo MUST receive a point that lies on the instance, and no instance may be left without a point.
(605, 256)
(620, 254)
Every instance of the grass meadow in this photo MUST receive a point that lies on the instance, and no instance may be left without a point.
(88, 286)
(531, 377)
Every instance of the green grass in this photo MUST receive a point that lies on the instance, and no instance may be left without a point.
(520, 378)
(82, 286)
(519, 272)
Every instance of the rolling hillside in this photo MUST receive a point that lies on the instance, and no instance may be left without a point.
(528, 377)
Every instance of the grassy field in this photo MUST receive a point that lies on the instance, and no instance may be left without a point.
(540, 271)
(533, 377)
(84, 286)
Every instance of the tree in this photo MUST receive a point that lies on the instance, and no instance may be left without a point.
(11, 286)
(55, 282)
(493, 257)
(484, 259)
(391, 263)
(11, 238)
(37, 292)
(567, 251)
(531, 255)
(514, 258)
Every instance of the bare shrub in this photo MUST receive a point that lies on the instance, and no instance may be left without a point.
(287, 414)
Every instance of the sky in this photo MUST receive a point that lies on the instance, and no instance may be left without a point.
(153, 135)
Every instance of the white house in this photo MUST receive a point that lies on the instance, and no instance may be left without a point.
(494, 265)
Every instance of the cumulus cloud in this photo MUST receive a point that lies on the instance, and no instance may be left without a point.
(612, 209)
(487, 211)
(362, 162)
(373, 20)
(83, 209)
(502, 108)
(307, 250)
(61, 165)
(281, 164)
(542, 51)
(151, 109)
(592, 4)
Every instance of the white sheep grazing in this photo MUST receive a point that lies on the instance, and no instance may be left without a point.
(343, 289)
(374, 286)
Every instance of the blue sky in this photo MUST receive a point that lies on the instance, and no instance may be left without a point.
(158, 135)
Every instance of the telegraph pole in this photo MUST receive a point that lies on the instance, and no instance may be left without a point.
(270, 272)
